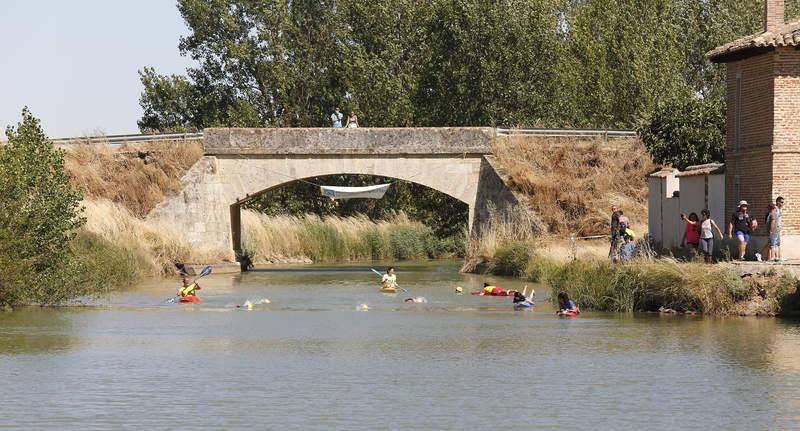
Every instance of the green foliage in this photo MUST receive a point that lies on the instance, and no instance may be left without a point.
(595, 285)
(106, 266)
(598, 63)
(652, 284)
(39, 214)
(512, 259)
(445, 214)
(685, 133)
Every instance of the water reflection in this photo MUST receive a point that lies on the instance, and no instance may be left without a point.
(309, 360)
(36, 330)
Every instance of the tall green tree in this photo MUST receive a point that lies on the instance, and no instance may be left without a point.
(39, 215)
(689, 132)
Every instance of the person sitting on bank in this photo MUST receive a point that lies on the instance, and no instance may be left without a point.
(741, 226)
(628, 248)
(389, 280)
(565, 305)
(188, 289)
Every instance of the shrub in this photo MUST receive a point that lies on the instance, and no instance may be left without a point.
(512, 259)
(107, 265)
(407, 242)
(39, 214)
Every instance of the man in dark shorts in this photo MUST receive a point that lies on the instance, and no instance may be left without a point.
(613, 252)
(741, 226)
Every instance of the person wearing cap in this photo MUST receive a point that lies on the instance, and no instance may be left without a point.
(741, 226)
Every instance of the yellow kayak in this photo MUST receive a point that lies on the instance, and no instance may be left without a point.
(388, 290)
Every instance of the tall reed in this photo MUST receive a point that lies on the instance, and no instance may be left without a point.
(501, 229)
(282, 237)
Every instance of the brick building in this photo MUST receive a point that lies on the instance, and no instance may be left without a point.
(762, 154)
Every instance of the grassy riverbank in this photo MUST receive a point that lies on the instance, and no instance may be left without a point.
(128, 247)
(651, 284)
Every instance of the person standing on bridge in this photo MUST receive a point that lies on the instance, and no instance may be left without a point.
(352, 120)
(336, 118)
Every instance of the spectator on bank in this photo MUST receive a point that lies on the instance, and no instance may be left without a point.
(336, 119)
(352, 120)
(691, 232)
(707, 235)
(629, 247)
(770, 247)
(773, 246)
(624, 223)
(615, 233)
(742, 226)
(778, 219)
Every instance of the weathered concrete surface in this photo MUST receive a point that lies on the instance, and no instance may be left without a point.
(385, 141)
(241, 163)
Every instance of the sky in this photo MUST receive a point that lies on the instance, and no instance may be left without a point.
(75, 63)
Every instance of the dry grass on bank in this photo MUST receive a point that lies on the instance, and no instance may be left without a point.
(671, 286)
(571, 183)
(501, 228)
(136, 177)
(156, 247)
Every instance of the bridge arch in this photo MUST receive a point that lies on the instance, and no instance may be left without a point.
(240, 163)
(236, 224)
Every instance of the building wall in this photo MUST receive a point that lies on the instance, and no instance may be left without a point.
(749, 167)
(716, 198)
(655, 196)
(693, 194)
(786, 137)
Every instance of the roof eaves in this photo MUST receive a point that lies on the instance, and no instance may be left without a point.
(787, 35)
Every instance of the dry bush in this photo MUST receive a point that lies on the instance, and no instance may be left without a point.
(137, 177)
(159, 246)
(572, 182)
(285, 238)
(501, 228)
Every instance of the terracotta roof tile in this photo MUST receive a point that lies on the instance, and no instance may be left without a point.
(707, 169)
(787, 35)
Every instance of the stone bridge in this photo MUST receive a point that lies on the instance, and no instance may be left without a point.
(240, 164)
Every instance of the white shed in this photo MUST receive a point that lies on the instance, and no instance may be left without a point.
(672, 192)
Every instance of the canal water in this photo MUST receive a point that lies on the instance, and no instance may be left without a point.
(314, 359)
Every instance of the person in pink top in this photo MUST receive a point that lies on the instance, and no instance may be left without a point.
(691, 232)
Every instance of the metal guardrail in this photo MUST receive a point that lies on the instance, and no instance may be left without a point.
(568, 132)
(121, 139)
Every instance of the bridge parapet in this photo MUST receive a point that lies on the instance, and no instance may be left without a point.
(372, 141)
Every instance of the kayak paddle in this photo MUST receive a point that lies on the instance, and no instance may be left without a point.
(203, 273)
(395, 283)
